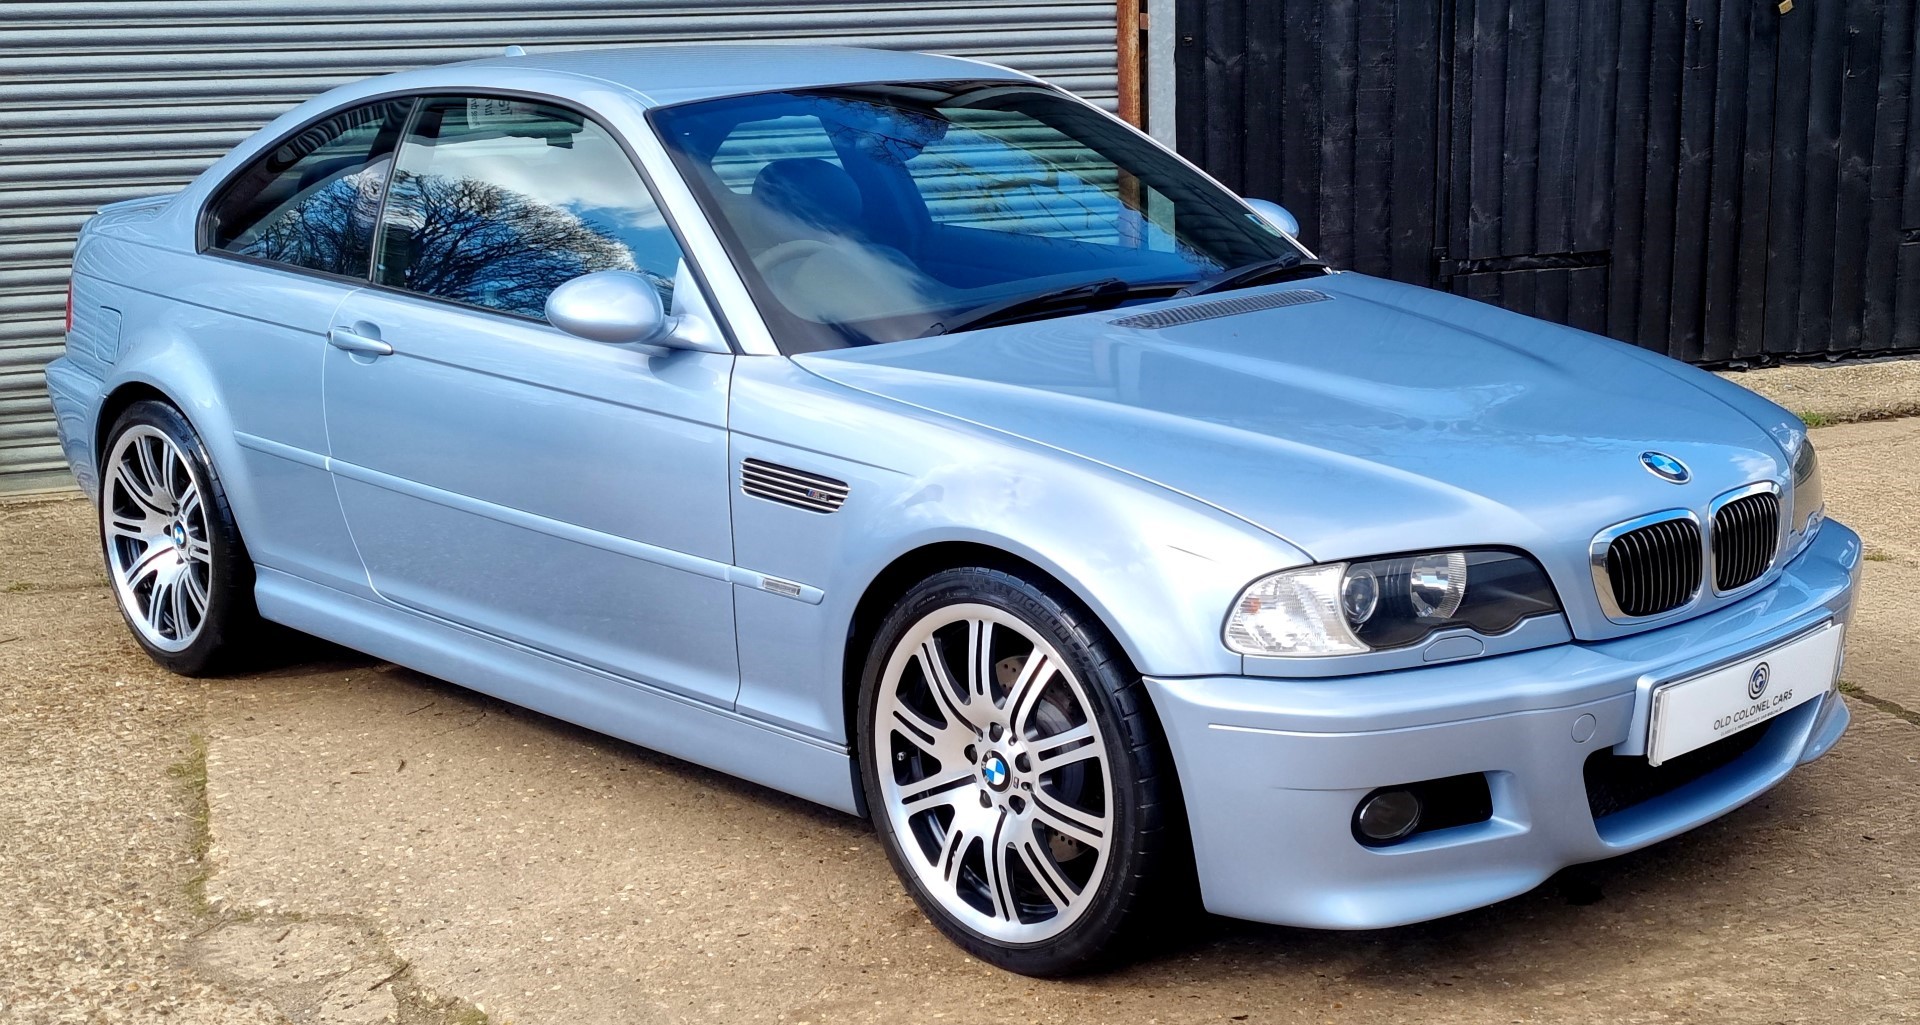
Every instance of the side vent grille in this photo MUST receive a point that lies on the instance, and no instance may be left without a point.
(789, 486)
(1193, 313)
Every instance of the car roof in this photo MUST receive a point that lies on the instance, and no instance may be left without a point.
(679, 73)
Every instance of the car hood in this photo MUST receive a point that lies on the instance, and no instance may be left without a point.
(1350, 416)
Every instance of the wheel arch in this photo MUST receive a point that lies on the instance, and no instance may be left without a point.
(897, 577)
(117, 402)
(166, 369)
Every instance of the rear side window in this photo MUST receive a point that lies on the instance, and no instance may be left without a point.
(312, 200)
(497, 202)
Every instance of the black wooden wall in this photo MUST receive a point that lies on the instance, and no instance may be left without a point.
(1712, 179)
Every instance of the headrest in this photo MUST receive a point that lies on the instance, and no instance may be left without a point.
(810, 190)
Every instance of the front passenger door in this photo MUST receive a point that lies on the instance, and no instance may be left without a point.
(562, 494)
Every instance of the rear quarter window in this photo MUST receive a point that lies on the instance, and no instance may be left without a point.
(311, 201)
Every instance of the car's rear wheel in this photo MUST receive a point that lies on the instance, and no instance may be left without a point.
(1012, 769)
(179, 571)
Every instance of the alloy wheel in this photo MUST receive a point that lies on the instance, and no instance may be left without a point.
(159, 551)
(994, 773)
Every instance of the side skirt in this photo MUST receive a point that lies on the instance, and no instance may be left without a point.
(716, 738)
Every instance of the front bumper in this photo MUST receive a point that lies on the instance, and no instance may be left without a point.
(1273, 769)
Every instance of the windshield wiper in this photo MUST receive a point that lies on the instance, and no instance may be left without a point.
(1088, 295)
(1280, 268)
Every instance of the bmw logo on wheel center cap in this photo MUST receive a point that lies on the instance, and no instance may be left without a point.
(993, 769)
(1666, 467)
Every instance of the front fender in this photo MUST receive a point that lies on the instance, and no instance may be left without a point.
(1159, 570)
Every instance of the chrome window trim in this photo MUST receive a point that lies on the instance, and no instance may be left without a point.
(1603, 582)
(1781, 522)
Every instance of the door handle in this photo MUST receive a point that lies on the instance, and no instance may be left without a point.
(341, 338)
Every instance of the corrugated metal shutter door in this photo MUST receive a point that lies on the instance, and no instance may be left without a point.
(107, 101)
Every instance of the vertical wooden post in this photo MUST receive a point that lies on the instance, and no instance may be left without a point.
(1127, 43)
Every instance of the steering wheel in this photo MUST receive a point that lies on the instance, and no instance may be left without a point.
(789, 252)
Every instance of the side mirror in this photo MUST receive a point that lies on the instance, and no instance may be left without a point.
(615, 306)
(1276, 215)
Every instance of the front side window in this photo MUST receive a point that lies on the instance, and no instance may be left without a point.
(311, 201)
(875, 213)
(497, 202)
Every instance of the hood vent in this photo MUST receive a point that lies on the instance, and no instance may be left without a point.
(789, 486)
(1213, 309)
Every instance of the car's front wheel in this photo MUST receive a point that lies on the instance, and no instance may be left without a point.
(174, 556)
(1012, 769)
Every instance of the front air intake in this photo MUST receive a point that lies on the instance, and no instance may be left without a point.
(789, 486)
(1652, 569)
(1212, 309)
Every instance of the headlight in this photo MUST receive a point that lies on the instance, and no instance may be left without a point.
(1342, 608)
(1809, 504)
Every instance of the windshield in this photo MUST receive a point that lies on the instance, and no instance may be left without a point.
(873, 213)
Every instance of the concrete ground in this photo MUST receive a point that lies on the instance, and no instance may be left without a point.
(1836, 393)
(341, 841)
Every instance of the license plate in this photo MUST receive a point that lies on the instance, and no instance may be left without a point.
(1690, 714)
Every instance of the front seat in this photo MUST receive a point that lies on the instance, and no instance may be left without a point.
(811, 223)
(815, 194)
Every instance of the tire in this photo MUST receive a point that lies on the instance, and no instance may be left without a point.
(179, 570)
(1016, 785)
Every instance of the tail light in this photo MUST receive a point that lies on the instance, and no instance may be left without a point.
(69, 306)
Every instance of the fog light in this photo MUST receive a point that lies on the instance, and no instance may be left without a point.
(1387, 816)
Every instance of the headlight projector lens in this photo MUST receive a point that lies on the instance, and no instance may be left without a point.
(1437, 584)
(1359, 595)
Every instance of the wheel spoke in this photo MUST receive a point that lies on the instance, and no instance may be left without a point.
(157, 602)
(941, 682)
(1027, 686)
(148, 563)
(196, 589)
(123, 526)
(936, 790)
(170, 475)
(1065, 748)
(177, 593)
(124, 474)
(979, 660)
(1039, 861)
(189, 502)
(999, 882)
(959, 842)
(1068, 824)
(147, 452)
(199, 551)
(919, 730)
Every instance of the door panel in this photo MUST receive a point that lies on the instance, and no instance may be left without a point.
(296, 223)
(565, 494)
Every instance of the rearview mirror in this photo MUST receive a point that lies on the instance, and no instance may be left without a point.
(615, 306)
(1276, 215)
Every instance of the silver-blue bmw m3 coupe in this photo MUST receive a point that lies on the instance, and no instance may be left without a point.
(903, 433)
